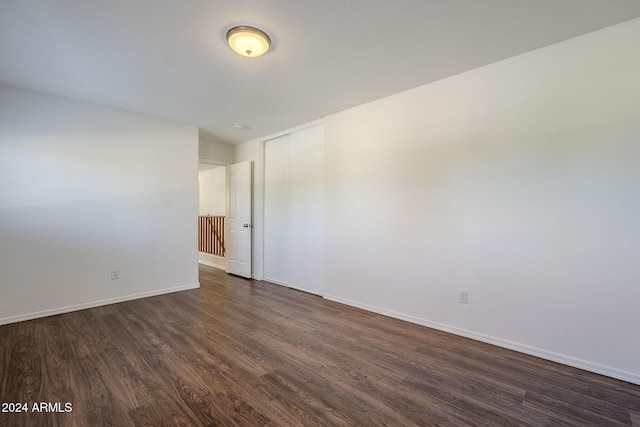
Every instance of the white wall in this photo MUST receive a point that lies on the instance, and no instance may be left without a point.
(215, 151)
(518, 182)
(212, 191)
(84, 190)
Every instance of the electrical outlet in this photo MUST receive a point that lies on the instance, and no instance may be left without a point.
(463, 297)
(115, 274)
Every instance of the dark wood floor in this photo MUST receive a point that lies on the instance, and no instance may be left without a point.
(240, 352)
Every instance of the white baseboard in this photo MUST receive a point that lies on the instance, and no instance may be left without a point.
(61, 310)
(305, 290)
(277, 282)
(212, 260)
(210, 264)
(522, 348)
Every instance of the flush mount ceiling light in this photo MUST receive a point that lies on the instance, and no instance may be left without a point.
(248, 41)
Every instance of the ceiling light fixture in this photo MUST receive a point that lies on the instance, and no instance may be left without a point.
(248, 41)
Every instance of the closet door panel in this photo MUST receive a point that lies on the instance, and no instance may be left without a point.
(276, 210)
(306, 208)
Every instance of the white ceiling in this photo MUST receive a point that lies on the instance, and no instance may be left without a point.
(168, 58)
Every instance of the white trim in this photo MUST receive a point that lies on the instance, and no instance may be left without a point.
(522, 348)
(77, 307)
(212, 260)
(276, 282)
(210, 264)
(305, 290)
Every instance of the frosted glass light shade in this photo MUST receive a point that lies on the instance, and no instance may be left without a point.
(248, 41)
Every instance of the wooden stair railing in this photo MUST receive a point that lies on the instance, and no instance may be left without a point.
(216, 231)
(211, 235)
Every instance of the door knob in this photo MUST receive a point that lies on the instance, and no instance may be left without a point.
(247, 225)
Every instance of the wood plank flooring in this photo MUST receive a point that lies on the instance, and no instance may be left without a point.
(241, 352)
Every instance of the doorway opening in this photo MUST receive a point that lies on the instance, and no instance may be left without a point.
(211, 214)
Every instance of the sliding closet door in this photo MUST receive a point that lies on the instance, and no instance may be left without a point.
(306, 194)
(294, 210)
(276, 210)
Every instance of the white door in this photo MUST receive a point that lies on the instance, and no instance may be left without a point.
(238, 224)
